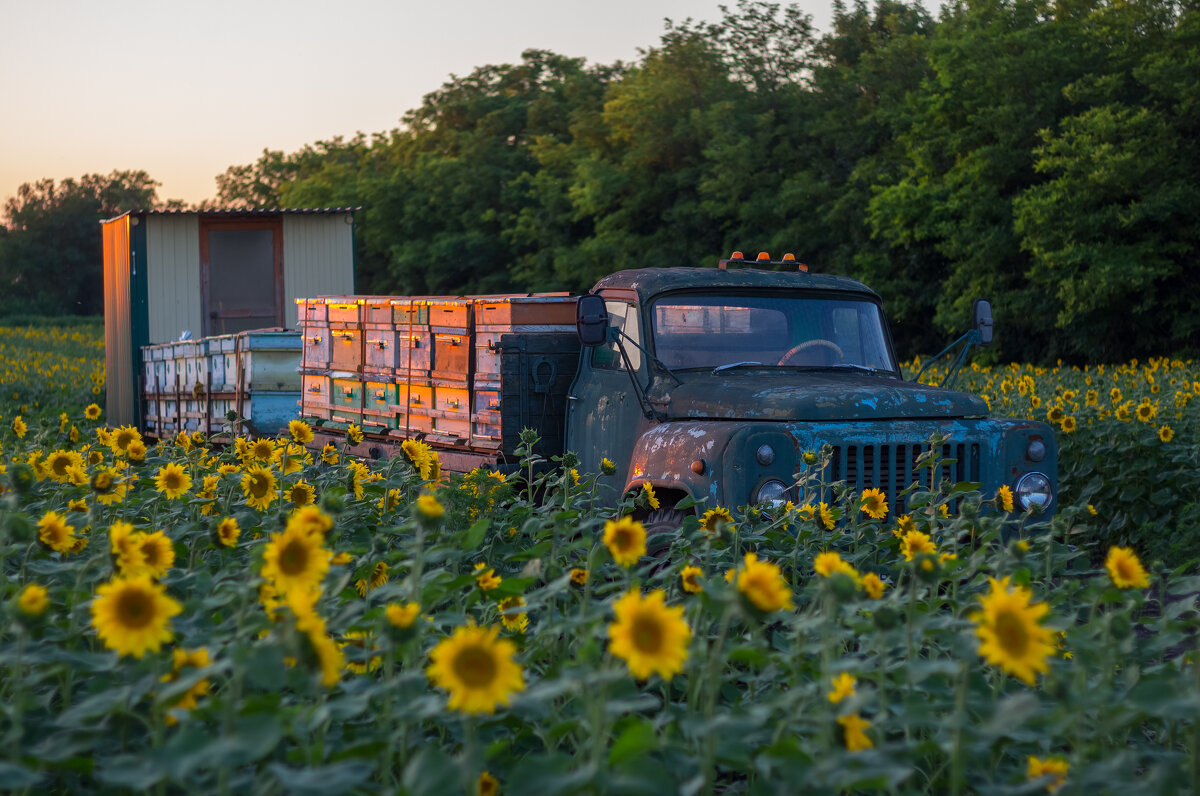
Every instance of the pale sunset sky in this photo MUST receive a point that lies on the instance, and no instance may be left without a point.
(185, 90)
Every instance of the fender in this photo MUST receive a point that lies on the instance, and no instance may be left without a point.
(664, 456)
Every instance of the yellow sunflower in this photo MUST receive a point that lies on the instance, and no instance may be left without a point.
(649, 636)
(310, 519)
(487, 577)
(1125, 569)
(873, 585)
(827, 516)
(301, 493)
(854, 733)
(60, 462)
(828, 563)
(690, 578)
(1004, 497)
(301, 432)
(477, 668)
(18, 427)
(295, 560)
(329, 453)
(92, 412)
(126, 551)
(354, 434)
(1054, 767)
(626, 540)
(648, 493)
(712, 518)
(430, 507)
(579, 576)
(914, 543)
(517, 622)
(843, 686)
(55, 533)
(262, 450)
(1010, 629)
(158, 555)
(874, 504)
(228, 531)
(33, 599)
(258, 484)
(122, 438)
(763, 584)
(1146, 411)
(402, 616)
(133, 615)
(1165, 433)
(181, 659)
(172, 480)
(487, 785)
(364, 659)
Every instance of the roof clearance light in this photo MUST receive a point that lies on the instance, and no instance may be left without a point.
(764, 256)
(789, 257)
(737, 256)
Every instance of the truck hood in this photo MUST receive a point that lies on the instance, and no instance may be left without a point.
(759, 394)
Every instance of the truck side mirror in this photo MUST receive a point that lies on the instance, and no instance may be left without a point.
(983, 320)
(591, 320)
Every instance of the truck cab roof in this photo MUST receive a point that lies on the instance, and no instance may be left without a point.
(650, 282)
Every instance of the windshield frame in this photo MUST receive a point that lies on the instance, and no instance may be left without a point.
(650, 327)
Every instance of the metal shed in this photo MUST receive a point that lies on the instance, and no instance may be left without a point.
(211, 272)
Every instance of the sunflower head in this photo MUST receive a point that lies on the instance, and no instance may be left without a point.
(258, 485)
(55, 533)
(648, 635)
(172, 480)
(626, 540)
(228, 531)
(763, 585)
(874, 504)
(295, 560)
(1125, 569)
(300, 431)
(689, 577)
(712, 519)
(1009, 627)
(132, 615)
(477, 668)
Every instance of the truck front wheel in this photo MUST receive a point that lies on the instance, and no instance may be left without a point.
(662, 529)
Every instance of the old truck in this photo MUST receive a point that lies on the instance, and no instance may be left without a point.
(706, 383)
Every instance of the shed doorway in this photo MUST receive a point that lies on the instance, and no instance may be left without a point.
(241, 274)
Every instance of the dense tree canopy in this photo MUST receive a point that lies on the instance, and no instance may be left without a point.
(1036, 153)
(50, 246)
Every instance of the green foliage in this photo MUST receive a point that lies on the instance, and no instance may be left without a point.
(50, 247)
(1034, 155)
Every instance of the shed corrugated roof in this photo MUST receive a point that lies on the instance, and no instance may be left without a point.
(245, 211)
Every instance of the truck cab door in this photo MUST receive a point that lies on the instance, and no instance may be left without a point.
(604, 416)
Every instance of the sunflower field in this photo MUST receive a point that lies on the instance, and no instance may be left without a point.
(264, 618)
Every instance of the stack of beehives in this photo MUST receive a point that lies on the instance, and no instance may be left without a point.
(425, 367)
(191, 385)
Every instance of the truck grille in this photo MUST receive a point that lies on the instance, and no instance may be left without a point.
(893, 468)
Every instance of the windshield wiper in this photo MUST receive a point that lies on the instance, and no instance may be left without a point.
(720, 368)
(843, 366)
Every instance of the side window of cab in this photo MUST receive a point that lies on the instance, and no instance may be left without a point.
(624, 316)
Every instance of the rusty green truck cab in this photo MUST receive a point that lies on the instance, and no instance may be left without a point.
(737, 373)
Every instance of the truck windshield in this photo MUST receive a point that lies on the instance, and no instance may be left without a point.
(698, 331)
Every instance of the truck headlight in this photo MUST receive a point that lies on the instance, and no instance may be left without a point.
(773, 492)
(1034, 491)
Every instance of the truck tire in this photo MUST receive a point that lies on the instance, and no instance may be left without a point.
(662, 529)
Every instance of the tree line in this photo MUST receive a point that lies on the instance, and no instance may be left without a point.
(1040, 154)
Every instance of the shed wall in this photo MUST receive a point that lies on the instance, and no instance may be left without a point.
(120, 401)
(173, 271)
(318, 259)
